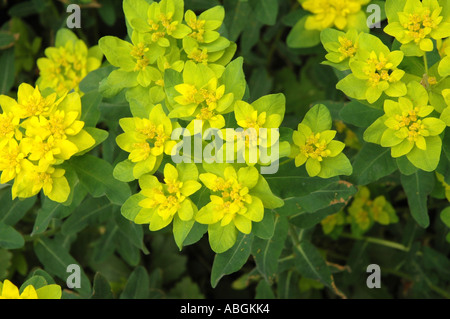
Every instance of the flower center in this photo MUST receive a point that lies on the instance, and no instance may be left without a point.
(198, 29)
(138, 52)
(315, 147)
(234, 196)
(199, 56)
(6, 125)
(347, 49)
(410, 120)
(420, 25)
(378, 69)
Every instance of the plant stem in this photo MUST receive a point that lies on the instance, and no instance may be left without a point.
(425, 62)
(286, 161)
(378, 241)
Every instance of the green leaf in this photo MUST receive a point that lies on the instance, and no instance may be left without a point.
(335, 193)
(106, 245)
(45, 214)
(5, 263)
(294, 182)
(101, 288)
(359, 115)
(6, 40)
(265, 11)
(265, 228)
(97, 177)
(267, 251)
(91, 82)
(445, 216)
(10, 238)
(405, 166)
(98, 135)
(23, 9)
(236, 17)
(137, 286)
(250, 36)
(299, 37)
(264, 291)
(417, 187)
(85, 213)
(234, 79)
(8, 70)
(107, 13)
(181, 230)
(196, 233)
(427, 160)
(90, 111)
(186, 289)
(35, 281)
(130, 209)
(263, 191)
(318, 118)
(133, 232)
(231, 260)
(311, 264)
(123, 171)
(372, 163)
(306, 220)
(13, 211)
(56, 259)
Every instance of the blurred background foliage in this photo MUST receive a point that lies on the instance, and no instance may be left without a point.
(39, 237)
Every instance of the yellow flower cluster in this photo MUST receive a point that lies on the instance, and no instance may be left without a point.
(10, 291)
(37, 134)
(66, 64)
(332, 13)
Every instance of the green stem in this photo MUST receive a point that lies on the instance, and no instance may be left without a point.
(47, 233)
(286, 161)
(425, 62)
(400, 274)
(378, 241)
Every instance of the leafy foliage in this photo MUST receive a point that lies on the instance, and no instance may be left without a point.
(361, 116)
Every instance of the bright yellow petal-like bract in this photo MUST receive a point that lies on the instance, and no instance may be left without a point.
(9, 291)
(66, 64)
(38, 133)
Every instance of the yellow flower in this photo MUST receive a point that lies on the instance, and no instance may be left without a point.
(53, 133)
(9, 124)
(331, 221)
(30, 102)
(67, 64)
(9, 291)
(52, 181)
(418, 24)
(446, 186)
(165, 201)
(12, 158)
(146, 139)
(333, 13)
(232, 201)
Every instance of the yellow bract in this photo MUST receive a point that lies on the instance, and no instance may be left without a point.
(315, 147)
(10, 291)
(330, 13)
(37, 134)
(64, 67)
(347, 48)
(146, 139)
